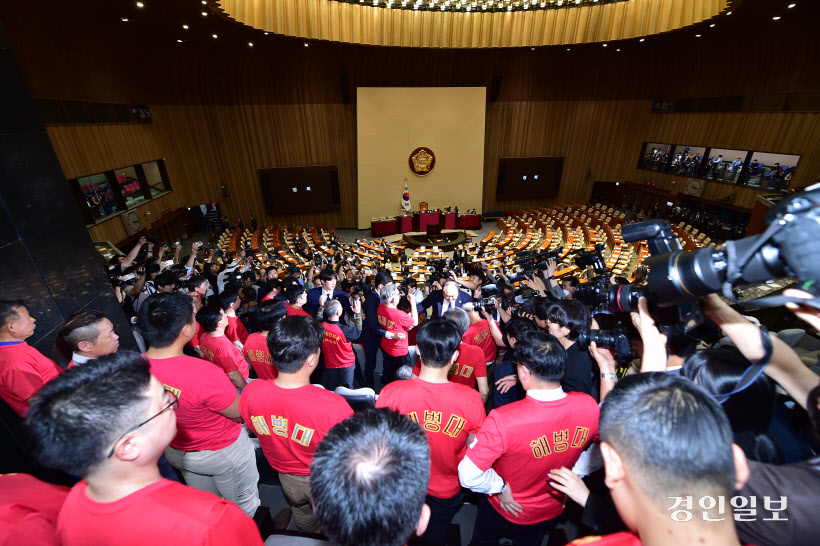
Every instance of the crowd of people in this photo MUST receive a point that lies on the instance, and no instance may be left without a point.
(488, 393)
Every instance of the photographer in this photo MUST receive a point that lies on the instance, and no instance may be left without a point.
(239, 265)
(565, 319)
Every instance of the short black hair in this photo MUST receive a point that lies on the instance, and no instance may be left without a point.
(294, 292)
(83, 326)
(209, 317)
(517, 326)
(248, 276)
(750, 411)
(166, 278)
(248, 293)
(162, 317)
(75, 418)
(369, 478)
(573, 281)
(383, 277)
(227, 297)
(541, 353)
(269, 313)
(326, 275)
(194, 282)
(292, 340)
(672, 433)
(436, 341)
(571, 314)
(7, 310)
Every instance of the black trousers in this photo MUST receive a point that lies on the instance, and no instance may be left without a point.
(391, 364)
(442, 512)
(490, 527)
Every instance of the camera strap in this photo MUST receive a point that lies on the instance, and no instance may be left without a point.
(751, 373)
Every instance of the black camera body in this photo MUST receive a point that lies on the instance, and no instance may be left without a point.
(615, 339)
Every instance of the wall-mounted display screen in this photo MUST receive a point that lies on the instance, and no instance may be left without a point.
(289, 190)
(529, 177)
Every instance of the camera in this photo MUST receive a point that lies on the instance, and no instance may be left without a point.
(531, 261)
(615, 339)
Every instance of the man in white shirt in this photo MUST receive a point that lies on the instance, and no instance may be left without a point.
(90, 335)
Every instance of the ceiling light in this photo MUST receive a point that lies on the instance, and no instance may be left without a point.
(266, 34)
(728, 13)
(307, 44)
(185, 27)
(567, 49)
(618, 49)
(697, 35)
(604, 45)
(214, 35)
(641, 40)
(124, 19)
(532, 49)
(204, 13)
(140, 5)
(204, 2)
(791, 5)
(776, 18)
(180, 41)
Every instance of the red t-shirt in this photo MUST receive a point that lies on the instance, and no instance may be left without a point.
(395, 321)
(478, 334)
(23, 372)
(337, 350)
(224, 354)
(197, 336)
(290, 423)
(448, 413)
(29, 509)
(296, 311)
(164, 512)
(236, 331)
(256, 351)
(624, 538)
(203, 390)
(525, 440)
(269, 296)
(469, 365)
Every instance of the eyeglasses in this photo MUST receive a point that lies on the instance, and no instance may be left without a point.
(175, 402)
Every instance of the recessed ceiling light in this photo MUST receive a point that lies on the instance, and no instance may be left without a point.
(568, 49)
(185, 27)
(214, 35)
(791, 5)
(532, 49)
(140, 5)
(180, 41)
(775, 18)
(728, 13)
(124, 19)
(604, 45)
(641, 40)
(307, 44)
(250, 44)
(204, 13)
(712, 25)
(618, 49)
(266, 34)
(697, 35)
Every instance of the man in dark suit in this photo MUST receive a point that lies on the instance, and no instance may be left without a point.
(445, 299)
(316, 297)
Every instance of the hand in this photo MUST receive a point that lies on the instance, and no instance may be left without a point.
(485, 313)
(322, 300)
(164, 248)
(568, 483)
(142, 240)
(241, 253)
(605, 360)
(436, 285)
(211, 252)
(399, 335)
(506, 383)
(552, 265)
(505, 498)
(803, 312)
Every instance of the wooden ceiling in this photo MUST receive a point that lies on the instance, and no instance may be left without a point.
(368, 25)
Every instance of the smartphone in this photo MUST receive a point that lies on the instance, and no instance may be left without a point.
(176, 244)
(128, 277)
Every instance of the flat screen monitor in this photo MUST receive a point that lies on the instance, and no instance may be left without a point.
(289, 190)
(529, 177)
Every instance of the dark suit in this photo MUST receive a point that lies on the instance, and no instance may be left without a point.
(371, 337)
(436, 299)
(314, 296)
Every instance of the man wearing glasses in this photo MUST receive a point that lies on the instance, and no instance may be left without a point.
(109, 421)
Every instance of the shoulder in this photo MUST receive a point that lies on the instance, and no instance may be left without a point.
(582, 399)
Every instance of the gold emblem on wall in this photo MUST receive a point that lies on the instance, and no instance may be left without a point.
(422, 160)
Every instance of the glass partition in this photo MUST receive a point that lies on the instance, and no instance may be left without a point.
(98, 196)
(771, 171)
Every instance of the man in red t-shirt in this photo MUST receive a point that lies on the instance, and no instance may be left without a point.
(23, 369)
(211, 448)
(128, 420)
(217, 348)
(297, 297)
(448, 412)
(666, 491)
(235, 331)
(291, 416)
(340, 360)
(256, 349)
(471, 367)
(520, 443)
(29, 510)
(478, 333)
(397, 323)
